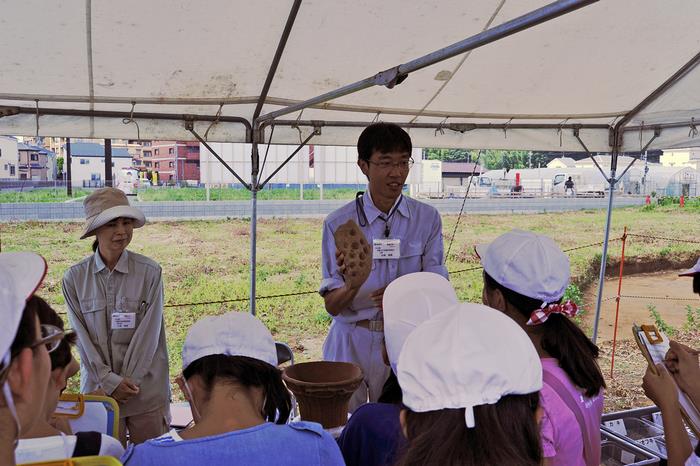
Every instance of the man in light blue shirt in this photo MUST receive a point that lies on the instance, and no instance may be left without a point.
(407, 232)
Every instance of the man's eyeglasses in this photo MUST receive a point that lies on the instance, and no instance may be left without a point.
(387, 165)
(51, 336)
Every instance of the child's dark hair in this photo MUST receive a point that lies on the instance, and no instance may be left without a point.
(504, 433)
(391, 391)
(562, 339)
(247, 372)
(61, 356)
(383, 137)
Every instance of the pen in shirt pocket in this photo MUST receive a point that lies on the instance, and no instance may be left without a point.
(143, 306)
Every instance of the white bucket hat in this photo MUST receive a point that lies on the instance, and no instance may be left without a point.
(409, 301)
(106, 204)
(21, 274)
(530, 264)
(231, 334)
(691, 272)
(469, 355)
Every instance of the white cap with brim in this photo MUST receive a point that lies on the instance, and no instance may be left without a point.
(528, 263)
(409, 301)
(691, 272)
(21, 274)
(230, 334)
(105, 205)
(469, 355)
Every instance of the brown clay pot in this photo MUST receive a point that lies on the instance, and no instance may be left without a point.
(323, 390)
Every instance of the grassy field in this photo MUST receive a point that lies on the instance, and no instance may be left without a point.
(41, 195)
(208, 261)
(185, 194)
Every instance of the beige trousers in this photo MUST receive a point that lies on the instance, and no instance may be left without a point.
(146, 426)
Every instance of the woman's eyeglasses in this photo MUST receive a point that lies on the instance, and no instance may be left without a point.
(51, 336)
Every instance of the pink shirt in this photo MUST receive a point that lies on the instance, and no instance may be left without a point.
(562, 440)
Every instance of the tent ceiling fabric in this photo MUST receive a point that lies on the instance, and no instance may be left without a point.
(589, 67)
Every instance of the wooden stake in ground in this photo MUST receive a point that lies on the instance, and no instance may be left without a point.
(357, 252)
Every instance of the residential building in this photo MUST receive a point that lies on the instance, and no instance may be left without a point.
(458, 173)
(681, 158)
(35, 163)
(88, 163)
(173, 161)
(9, 158)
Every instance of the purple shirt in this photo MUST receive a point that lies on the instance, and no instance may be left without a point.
(562, 440)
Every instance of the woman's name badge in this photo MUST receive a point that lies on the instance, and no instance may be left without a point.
(386, 249)
(123, 320)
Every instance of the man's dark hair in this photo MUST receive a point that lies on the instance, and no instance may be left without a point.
(383, 137)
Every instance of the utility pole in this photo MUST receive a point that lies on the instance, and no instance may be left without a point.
(108, 162)
(68, 170)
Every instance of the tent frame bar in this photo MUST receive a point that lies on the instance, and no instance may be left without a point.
(458, 127)
(190, 127)
(287, 160)
(276, 59)
(397, 74)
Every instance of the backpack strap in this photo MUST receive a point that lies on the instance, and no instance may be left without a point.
(575, 407)
(87, 444)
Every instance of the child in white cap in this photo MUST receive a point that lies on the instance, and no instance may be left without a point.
(25, 366)
(45, 441)
(470, 378)
(373, 436)
(525, 277)
(239, 404)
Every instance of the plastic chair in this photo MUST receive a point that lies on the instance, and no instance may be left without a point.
(89, 413)
(284, 353)
(82, 461)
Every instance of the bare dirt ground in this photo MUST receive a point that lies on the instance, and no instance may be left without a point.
(635, 310)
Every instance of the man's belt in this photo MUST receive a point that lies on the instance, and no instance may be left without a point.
(371, 325)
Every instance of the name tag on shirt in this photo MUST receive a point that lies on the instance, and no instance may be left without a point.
(386, 249)
(123, 320)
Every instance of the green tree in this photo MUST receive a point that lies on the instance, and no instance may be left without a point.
(59, 167)
(449, 155)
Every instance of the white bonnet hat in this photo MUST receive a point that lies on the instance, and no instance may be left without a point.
(467, 356)
(530, 264)
(231, 334)
(409, 301)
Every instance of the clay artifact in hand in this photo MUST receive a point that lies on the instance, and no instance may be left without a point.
(357, 253)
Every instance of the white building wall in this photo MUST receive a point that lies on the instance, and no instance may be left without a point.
(237, 156)
(83, 168)
(9, 158)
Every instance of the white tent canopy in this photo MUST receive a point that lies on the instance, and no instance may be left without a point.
(171, 58)
(608, 76)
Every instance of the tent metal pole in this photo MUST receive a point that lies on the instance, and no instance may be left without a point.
(458, 127)
(276, 59)
(397, 74)
(190, 128)
(604, 258)
(255, 161)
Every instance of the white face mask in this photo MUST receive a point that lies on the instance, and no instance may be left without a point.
(195, 412)
(9, 399)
